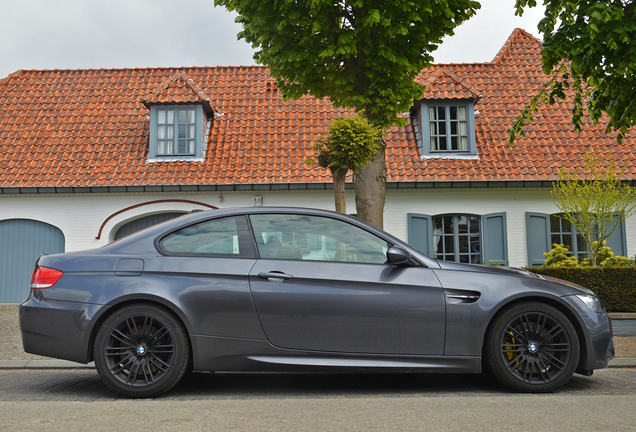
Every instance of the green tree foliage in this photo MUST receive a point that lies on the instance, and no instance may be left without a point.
(361, 54)
(348, 144)
(603, 254)
(594, 199)
(590, 47)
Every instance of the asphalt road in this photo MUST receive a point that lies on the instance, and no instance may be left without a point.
(63, 400)
(84, 385)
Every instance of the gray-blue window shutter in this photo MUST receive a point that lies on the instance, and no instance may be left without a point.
(617, 242)
(495, 239)
(420, 227)
(538, 237)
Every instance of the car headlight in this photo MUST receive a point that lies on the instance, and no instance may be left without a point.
(592, 302)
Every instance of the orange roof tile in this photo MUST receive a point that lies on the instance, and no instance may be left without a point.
(81, 128)
(177, 89)
(440, 85)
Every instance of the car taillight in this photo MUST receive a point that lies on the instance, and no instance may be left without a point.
(44, 277)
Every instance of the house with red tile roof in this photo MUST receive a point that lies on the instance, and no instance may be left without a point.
(88, 156)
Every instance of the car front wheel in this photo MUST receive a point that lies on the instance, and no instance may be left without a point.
(532, 347)
(141, 350)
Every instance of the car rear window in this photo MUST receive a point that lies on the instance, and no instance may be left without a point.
(226, 237)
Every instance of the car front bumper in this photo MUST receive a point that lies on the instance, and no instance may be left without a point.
(597, 346)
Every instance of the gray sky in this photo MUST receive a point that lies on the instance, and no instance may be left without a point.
(79, 34)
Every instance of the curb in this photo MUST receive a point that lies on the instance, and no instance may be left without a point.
(622, 315)
(616, 363)
(622, 362)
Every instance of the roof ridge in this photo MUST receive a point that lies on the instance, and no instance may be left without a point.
(434, 77)
(461, 83)
(516, 33)
(179, 76)
(162, 68)
(10, 76)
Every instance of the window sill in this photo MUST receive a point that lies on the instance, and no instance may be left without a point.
(450, 156)
(175, 159)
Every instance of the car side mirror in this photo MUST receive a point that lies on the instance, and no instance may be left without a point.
(397, 256)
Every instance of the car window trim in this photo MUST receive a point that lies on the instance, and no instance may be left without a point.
(240, 218)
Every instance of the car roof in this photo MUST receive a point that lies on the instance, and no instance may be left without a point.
(144, 241)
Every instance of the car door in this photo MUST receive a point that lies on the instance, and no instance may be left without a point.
(323, 284)
(204, 267)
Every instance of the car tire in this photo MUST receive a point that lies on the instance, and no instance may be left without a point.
(142, 350)
(532, 348)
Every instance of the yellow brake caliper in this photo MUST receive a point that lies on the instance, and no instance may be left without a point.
(510, 350)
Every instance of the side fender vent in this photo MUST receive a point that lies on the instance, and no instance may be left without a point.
(461, 296)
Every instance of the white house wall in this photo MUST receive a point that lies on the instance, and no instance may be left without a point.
(79, 217)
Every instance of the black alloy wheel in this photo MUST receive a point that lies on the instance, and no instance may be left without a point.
(141, 350)
(532, 347)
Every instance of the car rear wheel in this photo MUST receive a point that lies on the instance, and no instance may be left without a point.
(532, 347)
(141, 350)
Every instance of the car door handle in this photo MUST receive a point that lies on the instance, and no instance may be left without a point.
(274, 275)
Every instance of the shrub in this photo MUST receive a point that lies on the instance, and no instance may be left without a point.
(618, 261)
(615, 286)
(558, 257)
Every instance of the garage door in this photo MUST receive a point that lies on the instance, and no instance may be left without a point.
(21, 242)
(144, 222)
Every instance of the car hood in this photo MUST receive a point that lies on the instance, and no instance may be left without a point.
(511, 271)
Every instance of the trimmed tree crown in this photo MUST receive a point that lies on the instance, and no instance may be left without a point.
(362, 54)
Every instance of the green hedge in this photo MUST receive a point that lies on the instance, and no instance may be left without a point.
(615, 286)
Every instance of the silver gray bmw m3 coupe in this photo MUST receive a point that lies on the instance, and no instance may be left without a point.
(288, 289)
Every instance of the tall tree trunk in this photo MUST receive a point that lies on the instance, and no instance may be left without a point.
(339, 191)
(370, 184)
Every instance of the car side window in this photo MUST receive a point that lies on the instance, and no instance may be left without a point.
(218, 237)
(315, 238)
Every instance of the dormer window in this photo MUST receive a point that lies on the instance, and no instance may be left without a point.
(176, 131)
(444, 120)
(180, 121)
(448, 127)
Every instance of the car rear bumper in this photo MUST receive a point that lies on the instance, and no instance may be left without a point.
(56, 329)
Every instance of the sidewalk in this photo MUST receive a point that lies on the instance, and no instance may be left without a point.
(12, 356)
